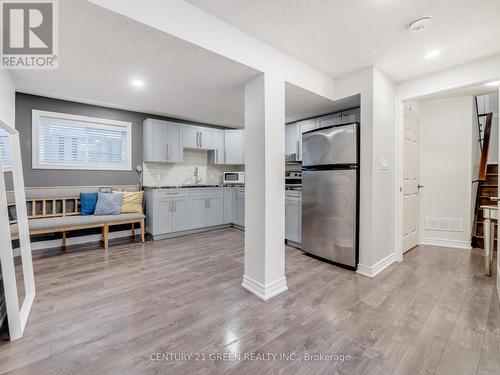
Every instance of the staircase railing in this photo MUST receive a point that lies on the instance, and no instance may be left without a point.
(485, 146)
(484, 141)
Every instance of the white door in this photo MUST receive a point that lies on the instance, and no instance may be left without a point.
(411, 178)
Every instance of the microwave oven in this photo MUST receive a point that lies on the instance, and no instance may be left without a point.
(234, 178)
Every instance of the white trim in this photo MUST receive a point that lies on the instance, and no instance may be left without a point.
(17, 317)
(105, 123)
(456, 244)
(398, 175)
(264, 292)
(377, 267)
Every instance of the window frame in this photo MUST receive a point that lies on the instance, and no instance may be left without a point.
(9, 168)
(35, 144)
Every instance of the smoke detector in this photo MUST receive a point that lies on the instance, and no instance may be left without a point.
(420, 24)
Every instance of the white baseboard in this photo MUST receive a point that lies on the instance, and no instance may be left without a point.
(445, 243)
(264, 292)
(377, 267)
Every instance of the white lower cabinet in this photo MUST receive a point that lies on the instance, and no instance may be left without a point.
(228, 205)
(177, 210)
(215, 210)
(293, 216)
(198, 212)
(180, 214)
(167, 211)
(206, 207)
(239, 206)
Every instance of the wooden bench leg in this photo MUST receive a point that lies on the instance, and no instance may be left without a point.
(142, 231)
(64, 241)
(105, 236)
(133, 230)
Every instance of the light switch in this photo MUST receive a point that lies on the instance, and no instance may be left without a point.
(384, 164)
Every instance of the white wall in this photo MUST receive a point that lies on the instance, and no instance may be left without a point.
(7, 98)
(378, 129)
(159, 174)
(384, 149)
(445, 167)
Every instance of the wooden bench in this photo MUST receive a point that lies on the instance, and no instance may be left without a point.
(62, 215)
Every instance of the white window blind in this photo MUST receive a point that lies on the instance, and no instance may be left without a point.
(5, 149)
(77, 142)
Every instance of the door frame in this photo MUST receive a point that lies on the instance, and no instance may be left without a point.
(399, 162)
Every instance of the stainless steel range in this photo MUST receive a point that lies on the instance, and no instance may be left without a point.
(293, 180)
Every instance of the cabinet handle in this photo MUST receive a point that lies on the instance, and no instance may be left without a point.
(208, 202)
(174, 203)
(201, 139)
(298, 150)
(197, 139)
(166, 153)
(170, 209)
(225, 158)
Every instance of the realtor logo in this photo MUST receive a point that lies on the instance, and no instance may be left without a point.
(29, 34)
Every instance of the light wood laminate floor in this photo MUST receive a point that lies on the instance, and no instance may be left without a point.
(112, 312)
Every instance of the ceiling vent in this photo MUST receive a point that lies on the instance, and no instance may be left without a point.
(420, 24)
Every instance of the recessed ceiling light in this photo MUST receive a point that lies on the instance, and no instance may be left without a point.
(136, 82)
(433, 54)
(420, 24)
(493, 83)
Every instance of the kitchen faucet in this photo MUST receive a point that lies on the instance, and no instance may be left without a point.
(196, 179)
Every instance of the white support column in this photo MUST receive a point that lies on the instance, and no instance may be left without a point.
(265, 186)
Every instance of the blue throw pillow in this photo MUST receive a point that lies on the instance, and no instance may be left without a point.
(108, 204)
(87, 203)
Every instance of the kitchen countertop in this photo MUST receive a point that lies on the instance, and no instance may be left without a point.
(295, 188)
(193, 186)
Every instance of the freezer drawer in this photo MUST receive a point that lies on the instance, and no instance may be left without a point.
(335, 145)
(329, 215)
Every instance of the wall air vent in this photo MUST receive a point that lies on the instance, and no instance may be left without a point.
(443, 224)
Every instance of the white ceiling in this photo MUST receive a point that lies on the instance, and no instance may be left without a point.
(472, 90)
(339, 36)
(100, 51)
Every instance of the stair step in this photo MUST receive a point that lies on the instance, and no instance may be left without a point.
(492, 168)
(479, 231)
(478, 242)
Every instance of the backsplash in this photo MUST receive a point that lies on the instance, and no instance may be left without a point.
(159, 174)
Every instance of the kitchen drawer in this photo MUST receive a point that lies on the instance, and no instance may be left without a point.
(292, 194)
(206, 191)
(170, 193)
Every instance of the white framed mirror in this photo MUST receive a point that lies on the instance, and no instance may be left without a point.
(19, 287)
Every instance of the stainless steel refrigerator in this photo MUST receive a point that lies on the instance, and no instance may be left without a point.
(330, 193)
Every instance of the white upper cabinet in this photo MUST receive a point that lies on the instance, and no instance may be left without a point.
(216, 156)
(302, 127)
(206, 138)
(165, 141)
(330, 120)
(352, 115)
(234, 147)
(291, 142)
(161, 142)
(307, 125)
(189, 136)
(197, 137)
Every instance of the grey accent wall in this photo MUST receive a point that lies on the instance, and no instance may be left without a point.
(25, 103)
(48, 177)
